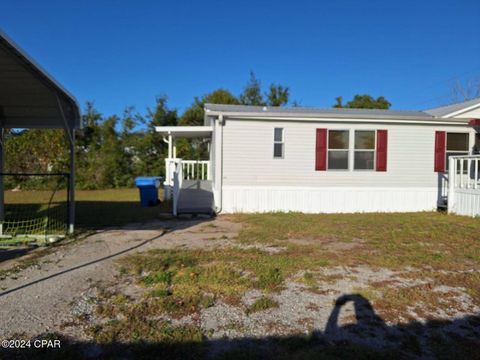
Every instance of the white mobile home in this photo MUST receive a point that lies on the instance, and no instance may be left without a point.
(266, 159)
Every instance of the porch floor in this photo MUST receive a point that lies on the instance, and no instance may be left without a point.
(196, 197)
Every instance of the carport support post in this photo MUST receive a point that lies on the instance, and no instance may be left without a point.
(70, 133)
(71, 184)
(2, 158)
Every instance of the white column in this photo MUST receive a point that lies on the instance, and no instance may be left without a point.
(451, 184)
(170, 153)
(167, 183)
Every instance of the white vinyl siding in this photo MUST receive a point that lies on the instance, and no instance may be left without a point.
(248, 161)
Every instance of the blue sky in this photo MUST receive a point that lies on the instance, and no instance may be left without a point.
(121, 52)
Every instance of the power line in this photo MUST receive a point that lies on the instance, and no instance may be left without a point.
(449, 80)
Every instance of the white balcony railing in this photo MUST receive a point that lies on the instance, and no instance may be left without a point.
(464, 170)
(464, 185)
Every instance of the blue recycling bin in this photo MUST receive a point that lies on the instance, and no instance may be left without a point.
(148, 187)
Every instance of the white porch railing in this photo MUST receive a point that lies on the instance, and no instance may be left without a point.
(191, 170)
(196, 169)
(464, 185)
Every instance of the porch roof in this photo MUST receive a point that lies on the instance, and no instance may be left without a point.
(185, 131)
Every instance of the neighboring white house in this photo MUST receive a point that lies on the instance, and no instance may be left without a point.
(265, 159)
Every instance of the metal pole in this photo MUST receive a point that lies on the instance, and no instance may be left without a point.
(71, 185)
(2, 165)
(70, 131)
(2, 198)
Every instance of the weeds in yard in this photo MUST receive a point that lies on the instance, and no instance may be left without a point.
(270, 279)
(442, 248)
(138, 330)
(158, 277)
(385, 240)
(261, 304)
(181, 282)
(32, 259)
(393, 300)
(308, 278)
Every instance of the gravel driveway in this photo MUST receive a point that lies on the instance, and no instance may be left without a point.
(38, 299)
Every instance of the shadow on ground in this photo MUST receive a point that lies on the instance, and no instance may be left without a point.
(90, 216)
(369, 338)
(100, 214)
(12, 253)
(164, 226)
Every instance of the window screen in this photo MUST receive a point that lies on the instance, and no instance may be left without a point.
(364, 157)
(457, 144)
(338, 144)
(278, 144)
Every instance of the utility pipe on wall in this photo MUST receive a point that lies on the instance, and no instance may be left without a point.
(219, 161)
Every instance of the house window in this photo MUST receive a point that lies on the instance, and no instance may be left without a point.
(364, 154)
(338, 141)
(278, 143)
(476, 149)
(457, 144)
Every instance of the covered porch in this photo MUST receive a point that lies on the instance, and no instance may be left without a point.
(188, 183)
(464, 179)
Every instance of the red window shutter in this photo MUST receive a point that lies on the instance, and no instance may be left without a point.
(382, 146)
(321, 150)
(440, 151)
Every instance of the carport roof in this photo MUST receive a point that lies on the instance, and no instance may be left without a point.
(29, 96)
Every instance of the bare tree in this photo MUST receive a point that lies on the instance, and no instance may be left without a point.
(463, 91)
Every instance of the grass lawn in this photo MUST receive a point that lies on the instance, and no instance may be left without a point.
(99, 208)
(416, 253)
(94, 208)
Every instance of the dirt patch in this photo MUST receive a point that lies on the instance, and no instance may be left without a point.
(37, 299)
(328, 244)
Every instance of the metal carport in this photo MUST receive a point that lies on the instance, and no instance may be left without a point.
(30, 98)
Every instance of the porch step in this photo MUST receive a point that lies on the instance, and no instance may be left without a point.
(196, 197)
